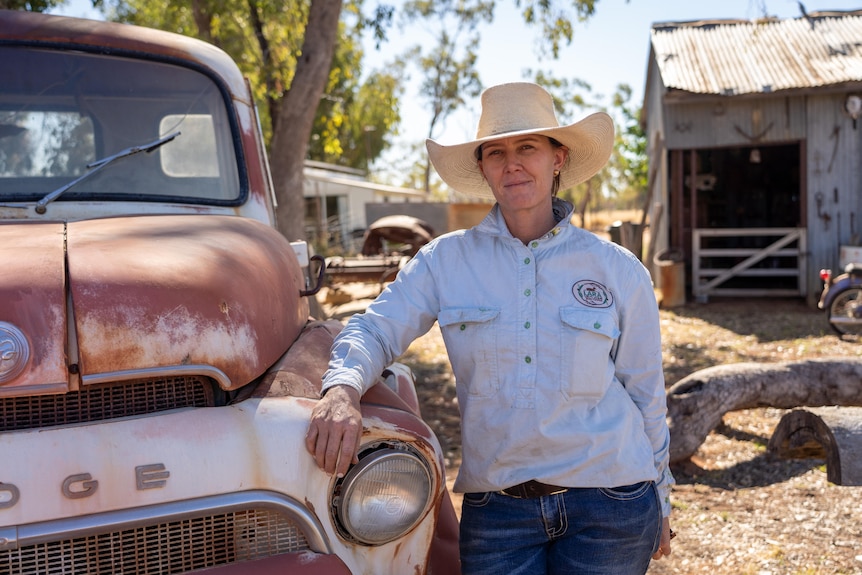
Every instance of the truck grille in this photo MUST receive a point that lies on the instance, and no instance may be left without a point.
(105, 401)
(175, 547)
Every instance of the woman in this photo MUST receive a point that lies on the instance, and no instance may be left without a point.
(553, 337)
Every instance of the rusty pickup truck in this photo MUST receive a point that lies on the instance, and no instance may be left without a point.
(158, 361)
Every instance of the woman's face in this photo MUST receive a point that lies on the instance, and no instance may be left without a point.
(520, 170)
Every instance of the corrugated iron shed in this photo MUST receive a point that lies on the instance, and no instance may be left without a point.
(737, 57)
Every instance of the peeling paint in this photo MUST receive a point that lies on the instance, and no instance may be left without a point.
(206, 291)
(33, 300)
(167, 339)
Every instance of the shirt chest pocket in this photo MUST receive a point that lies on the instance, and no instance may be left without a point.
(586, 339)
(470, 335)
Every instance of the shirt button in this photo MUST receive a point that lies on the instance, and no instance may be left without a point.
(597, 325)
(527, 325)
(463, 327)
(528, 359)
(527, 292)
(526, 260)
(534, 244)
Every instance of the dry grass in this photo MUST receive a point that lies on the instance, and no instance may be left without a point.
(599, 221)
(733, 331)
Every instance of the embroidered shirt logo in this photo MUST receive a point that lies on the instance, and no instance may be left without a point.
(592, 294)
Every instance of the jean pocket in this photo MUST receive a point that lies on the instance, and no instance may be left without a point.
(477, 499)
(627, 492)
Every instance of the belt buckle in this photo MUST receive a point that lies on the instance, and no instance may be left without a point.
(517, 495)
(515, 492)
(538, 490)
(530, 490)
(533, 489)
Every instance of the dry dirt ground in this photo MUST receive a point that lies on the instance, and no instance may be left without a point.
(737, 509)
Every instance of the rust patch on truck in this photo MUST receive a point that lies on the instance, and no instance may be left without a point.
(298, 372)
(161, 291)
(33, 301)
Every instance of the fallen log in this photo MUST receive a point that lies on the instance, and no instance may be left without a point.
(697, 402)
(830, 433)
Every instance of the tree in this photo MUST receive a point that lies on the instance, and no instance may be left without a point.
(449, 73)
(30, 5)
(294, 50)
(623, 180)
(449, 67)
(630, 151)
(573, 97)
(354, 123)
(293, 53)
(296, 118)
(554, 20)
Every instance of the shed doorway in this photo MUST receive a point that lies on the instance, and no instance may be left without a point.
(738, 215)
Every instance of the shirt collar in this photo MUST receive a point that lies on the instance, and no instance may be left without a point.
(494, 223)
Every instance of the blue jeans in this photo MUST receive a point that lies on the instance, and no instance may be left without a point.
(579, 532)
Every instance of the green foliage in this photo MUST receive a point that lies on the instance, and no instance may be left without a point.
(353, 128)
(31, 5)
(572, 98)
(259, 35)
(622, 183)
(448, 67)
(554, 20)
(630, 152)
(354, 121)
(449, 74)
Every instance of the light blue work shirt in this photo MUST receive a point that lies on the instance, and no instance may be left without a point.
(555, 346)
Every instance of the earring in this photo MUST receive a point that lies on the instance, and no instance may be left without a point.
(556, 173)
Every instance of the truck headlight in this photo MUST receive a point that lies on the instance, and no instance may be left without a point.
(384, 496)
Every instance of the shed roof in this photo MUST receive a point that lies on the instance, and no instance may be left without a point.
(327, 173)
(734, 57)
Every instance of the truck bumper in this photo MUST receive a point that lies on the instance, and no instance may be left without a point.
(294, 563)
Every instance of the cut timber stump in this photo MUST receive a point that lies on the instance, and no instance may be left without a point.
(697, 402)
(830, 433)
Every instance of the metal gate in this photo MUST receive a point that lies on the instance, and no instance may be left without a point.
(775, 255)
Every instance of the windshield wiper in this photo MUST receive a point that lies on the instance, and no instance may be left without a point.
(96, 166)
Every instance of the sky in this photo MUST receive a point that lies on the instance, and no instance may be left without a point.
(611, 48)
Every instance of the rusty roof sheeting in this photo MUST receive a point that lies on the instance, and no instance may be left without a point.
(732, 57)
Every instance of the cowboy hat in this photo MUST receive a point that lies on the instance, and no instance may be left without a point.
(518, 109)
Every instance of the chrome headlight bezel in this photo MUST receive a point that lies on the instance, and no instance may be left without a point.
(372, 505)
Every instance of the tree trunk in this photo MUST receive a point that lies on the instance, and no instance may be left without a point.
(697, 402)
(203, 21)
(296, 115)
(830, 433)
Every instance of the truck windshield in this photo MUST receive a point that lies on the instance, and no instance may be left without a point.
(61, 111)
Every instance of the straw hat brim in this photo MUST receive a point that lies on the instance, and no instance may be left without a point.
(590, 142)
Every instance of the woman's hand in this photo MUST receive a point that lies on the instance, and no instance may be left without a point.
(666, 535)
(335, 430)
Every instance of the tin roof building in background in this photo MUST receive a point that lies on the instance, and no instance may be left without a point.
(754, 148)
(737, 57)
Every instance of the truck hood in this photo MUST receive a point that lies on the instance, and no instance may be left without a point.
(32, 307)
(148, 292)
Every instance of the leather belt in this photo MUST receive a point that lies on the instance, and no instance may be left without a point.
(532, 489)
